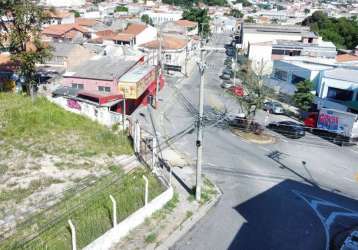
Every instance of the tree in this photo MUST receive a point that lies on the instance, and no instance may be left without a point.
(343, 32)
(201, 17)
(20, 23)
(77, 14)
(303, 97)
(236, 13)
(255, 91)
(249, 19)
(146, 19)
(121, 8)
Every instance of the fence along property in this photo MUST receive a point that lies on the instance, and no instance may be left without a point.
(91, 213)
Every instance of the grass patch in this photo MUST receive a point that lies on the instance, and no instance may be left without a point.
(3, 169)
(250, 136)
(151, 238)
(18, 194)
(89, 210)
(29, 126)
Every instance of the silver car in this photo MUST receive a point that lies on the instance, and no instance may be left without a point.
(274, 107)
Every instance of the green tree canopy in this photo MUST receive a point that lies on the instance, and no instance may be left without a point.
(343, 32)
(236, 13)
(201, 17)
(121, 8)
(146, 19)
(21, 27)
(303, 97)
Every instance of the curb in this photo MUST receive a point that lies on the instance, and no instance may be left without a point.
(189, 223)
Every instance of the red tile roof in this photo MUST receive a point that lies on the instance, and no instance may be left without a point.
(135, 29)
(87, 22)
(123, 37)
(186, 23)
(346, 58)
(106, 34)
(169, 42)
(61, 29)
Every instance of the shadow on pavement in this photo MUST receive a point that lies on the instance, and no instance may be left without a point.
(294, 215)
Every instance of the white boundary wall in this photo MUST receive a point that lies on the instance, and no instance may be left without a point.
(114, 235)
(99, 114)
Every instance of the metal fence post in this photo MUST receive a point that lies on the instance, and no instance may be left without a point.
(154, 152)
(73, 233)
(114, 206)
(146, 190)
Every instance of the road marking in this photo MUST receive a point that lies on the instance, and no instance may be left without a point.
(350, 180)
(315, 203)
(266, 149)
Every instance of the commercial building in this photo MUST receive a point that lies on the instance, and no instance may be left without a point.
(254, 33)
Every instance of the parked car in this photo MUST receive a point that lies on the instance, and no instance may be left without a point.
(227, 84)
(228, 71)
(274, 107)
(237, 90)
(225, 77)
(228, 61)
(288, 128)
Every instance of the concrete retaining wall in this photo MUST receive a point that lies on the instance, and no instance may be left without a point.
(114, 235)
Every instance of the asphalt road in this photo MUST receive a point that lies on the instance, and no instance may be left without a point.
(294, 194)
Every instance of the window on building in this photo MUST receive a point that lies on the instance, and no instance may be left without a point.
(104, 89)
(281, 75)
(297, 79)
(168, 58)
(77, 86)
(339, 94)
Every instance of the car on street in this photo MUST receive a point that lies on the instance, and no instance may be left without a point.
(288, 128)
(225, 76)
(274, 107)
(228, 61)
(237, 90)
(228, 71)
(227, 84)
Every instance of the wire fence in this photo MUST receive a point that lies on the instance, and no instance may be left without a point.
(88, 207)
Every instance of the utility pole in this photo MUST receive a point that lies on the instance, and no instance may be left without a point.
(159, 64)
(199, 144)
(199, 140)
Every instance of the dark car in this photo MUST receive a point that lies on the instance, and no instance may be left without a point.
(288, 128)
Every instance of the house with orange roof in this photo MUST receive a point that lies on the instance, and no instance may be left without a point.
(176, 51)
(136, 34)
(65, 32)
(190, 26)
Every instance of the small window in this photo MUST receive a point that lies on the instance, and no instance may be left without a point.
(281, 75)
(104, 89)
(77, 86)
(168, 58)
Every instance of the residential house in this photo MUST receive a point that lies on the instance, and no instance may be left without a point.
(59, 17)
(63, 3)
(65, 32)
(191, 28)
(176, 51)
(68, 55)
(136, 34)
(160, 16)
(339, 84)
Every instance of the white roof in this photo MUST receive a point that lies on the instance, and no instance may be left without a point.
(137, 73)
(307, 65)
(344, 74)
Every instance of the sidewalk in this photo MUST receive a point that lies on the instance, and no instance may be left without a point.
(168, 225)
